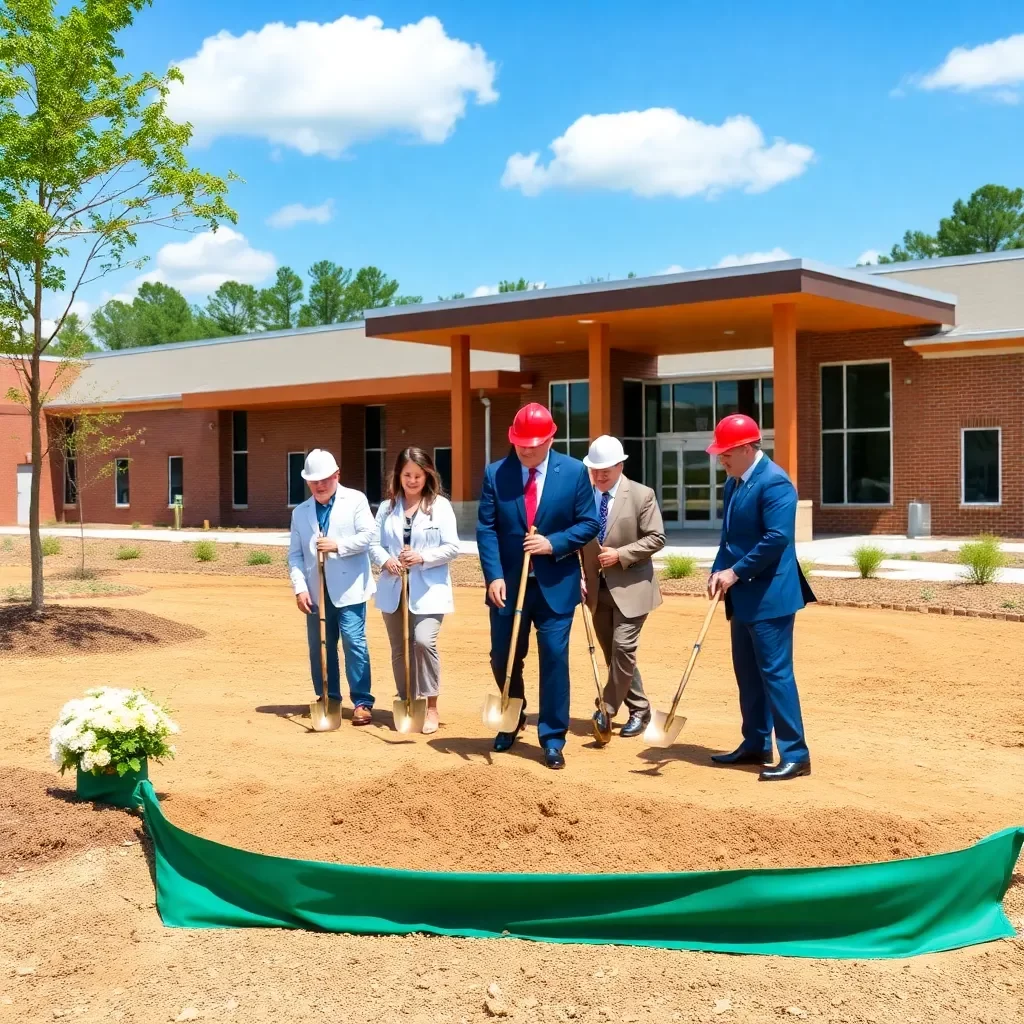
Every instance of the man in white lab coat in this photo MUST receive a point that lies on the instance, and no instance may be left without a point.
(337, 521)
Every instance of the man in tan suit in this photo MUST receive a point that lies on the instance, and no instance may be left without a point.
(622, 587)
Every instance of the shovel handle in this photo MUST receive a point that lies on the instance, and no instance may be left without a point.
(693, 658)
(514, 643)
(588, 625)
(405, 637)
(323, 631)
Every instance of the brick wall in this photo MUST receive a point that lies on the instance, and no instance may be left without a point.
(194, 435)
(942, 396)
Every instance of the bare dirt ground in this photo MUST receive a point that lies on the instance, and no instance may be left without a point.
(916, 725)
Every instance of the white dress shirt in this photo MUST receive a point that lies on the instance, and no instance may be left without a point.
(748, 473)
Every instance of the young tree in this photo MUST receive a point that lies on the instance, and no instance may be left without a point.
(230, 310)
(371, 289)
(326, 303)
(992, 219)
(522, 285)
(91, 443)
(88, 158)
(278, 305)
(73, 340)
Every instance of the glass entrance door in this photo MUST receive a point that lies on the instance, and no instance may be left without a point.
(690, 484)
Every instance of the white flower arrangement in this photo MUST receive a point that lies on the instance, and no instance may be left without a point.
(109, 731)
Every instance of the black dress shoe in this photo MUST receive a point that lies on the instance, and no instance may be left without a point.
(504, 740)
(743, 756)
(638, 721)
(553, 757)
(786, 770)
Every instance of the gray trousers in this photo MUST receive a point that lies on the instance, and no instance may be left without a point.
(619, 637)
(424, 664)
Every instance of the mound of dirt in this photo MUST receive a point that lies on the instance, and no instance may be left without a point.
(476, 818)
(41, 821)
(67, 630)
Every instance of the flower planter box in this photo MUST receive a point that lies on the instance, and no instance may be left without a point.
(109, 787)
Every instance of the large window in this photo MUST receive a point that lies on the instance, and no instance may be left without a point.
(121, 492)
(980, 466)
(443, 465)
(239, 460)
(569, 402)
(175, 479)
(70, 464)
(633, 427)
(856, 434)
(376, 446)
(298, 489)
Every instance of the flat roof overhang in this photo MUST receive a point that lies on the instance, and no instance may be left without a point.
(297, 396)
(965, 344)
(699, 311)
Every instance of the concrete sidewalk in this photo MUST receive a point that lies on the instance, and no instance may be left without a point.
(831, 551)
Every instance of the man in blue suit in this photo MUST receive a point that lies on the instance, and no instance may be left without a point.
(534, 486)
(757, 572)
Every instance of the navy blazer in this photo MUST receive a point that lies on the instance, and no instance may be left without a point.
(759, 546)
(566, 516)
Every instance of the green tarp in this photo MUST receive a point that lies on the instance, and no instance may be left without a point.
(894, 909)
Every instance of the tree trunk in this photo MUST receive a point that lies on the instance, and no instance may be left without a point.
(36, 413)
(81, 520)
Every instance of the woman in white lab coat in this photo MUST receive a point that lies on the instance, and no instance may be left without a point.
(416, 532)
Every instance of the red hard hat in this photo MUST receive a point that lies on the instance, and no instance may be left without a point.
(733, 431)
(532, 426)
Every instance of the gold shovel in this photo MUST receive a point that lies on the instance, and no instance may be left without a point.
(502, 712)
(409, 714)
(663, 729)
(601, 735)
(324, 712)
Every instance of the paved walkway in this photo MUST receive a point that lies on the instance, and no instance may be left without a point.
(831, 551)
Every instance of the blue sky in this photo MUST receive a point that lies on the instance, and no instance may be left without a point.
(870, 146)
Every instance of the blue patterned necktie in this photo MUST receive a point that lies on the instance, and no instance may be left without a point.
(602, 517)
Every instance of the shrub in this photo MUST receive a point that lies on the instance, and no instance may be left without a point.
(8, 544)
(982, 559)
(126, 553)
(205, 551)
(927, 595)
(51, 546)
(1009, 604)
(916, 557)
(806, 566)
(136, 525)
(868, 558)
(258, 558)
(678, 567)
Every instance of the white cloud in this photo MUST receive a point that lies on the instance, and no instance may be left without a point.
(868, 256)
(659, 152)
(54, 305)
(203, 263)
(994, 66)
(298, 213)
(320, 88)
(733, 260)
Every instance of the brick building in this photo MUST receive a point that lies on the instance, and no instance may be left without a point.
(875, 387)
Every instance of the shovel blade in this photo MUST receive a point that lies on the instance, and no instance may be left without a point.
(325, 720)
(499, 720)
(659, 733)
(407, 720)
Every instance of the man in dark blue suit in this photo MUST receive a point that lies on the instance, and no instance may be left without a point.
(534, 486)
(757, 572)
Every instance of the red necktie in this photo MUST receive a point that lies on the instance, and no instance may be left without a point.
(530, 496)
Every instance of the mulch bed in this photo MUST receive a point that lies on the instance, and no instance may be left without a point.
(77, 630)
(41, 820)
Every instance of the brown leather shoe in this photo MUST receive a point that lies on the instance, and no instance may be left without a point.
(362, 715)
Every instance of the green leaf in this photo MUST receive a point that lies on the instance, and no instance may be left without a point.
(136, 764)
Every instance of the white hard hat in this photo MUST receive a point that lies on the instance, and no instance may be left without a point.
(319, 465)
(604, 453)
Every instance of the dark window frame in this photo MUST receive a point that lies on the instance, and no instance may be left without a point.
(239, 456)
(117, 482)
(170, 479)
(964, 431)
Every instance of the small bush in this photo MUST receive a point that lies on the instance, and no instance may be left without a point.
(678, 567)
(982, 559)
(868, 558)
(916, 557)
(258, 558)
(927, 595)
(126, 553)
(8, 544)
(807, 566)
(136, 525)
(1010, 605)
(205, 551)
(51, 546)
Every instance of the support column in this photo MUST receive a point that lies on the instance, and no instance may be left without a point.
(600, 373)
(784, 346)
(462, 444)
